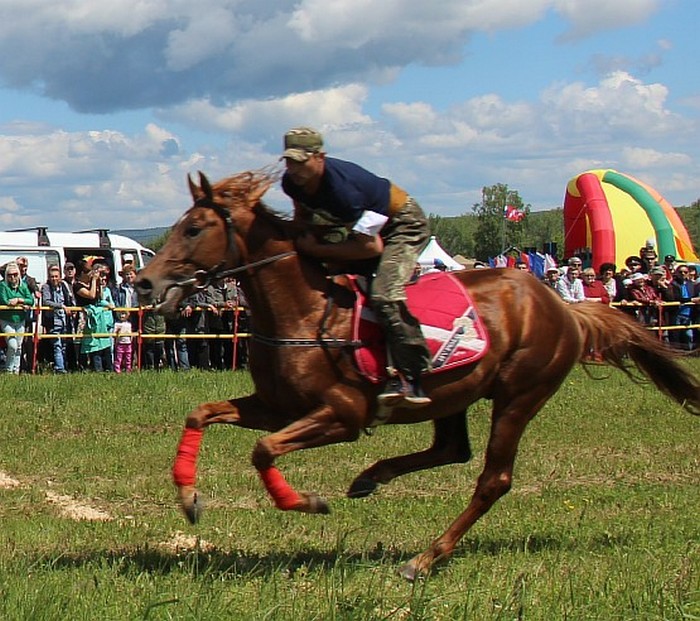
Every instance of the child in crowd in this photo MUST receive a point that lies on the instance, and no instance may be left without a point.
(122, 337)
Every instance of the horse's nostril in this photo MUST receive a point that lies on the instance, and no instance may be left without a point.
(144, 286)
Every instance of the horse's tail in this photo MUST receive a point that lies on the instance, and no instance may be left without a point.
(618, 339)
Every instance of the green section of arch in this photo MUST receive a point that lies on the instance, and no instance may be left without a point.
(665, 235)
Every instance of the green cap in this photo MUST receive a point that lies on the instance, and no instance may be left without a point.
(301, 142)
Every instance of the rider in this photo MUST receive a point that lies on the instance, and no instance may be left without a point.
(383, 222)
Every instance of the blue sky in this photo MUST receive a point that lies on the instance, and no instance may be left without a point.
(105, 107)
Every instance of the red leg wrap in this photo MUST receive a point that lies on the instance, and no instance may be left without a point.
(284, 496)
(185, 466)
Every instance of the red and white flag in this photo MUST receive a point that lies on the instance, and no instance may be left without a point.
(513, 214)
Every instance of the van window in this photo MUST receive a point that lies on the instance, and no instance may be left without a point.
(146, 256)
(39, 261)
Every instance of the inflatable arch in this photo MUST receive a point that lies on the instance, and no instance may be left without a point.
(612, 215)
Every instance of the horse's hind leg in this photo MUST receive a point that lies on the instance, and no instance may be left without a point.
(450, 446)
(511, 415)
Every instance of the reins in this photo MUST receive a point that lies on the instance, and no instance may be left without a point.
(201, 279)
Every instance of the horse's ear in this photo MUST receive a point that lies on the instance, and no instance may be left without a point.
(257, 192)
(195, 190)
(205, 185)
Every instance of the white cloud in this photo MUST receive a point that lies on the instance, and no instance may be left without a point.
(124, 54)
(591, 16)
(226, 77)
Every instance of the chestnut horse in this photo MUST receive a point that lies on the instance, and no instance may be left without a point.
(308, 393)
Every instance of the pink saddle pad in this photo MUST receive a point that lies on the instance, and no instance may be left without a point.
(453, 329)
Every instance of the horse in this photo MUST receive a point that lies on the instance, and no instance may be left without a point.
(309, 391)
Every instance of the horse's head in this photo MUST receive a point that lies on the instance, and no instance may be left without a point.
(207, 240)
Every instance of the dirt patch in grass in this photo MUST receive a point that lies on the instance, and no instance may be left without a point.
(7, 482)
(180, 542)
(72, 509)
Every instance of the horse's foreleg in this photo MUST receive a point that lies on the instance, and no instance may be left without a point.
(319, 428)
(450, 446)
(246, 412)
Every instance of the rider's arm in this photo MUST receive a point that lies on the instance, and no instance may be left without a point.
(356, 247)
(363, 242)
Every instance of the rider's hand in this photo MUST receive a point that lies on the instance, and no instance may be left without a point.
(307, 243)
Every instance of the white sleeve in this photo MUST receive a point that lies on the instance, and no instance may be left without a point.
(370, 223)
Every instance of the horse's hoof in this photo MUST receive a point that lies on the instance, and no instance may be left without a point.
(192, 504)
(361, 488)
(409, 572)
(313, 503)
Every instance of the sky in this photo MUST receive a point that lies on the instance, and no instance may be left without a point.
(106, 107)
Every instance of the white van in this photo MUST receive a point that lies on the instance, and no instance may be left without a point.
(44, 248)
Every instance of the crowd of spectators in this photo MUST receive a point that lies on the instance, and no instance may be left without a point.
(663, 296)
(88, 321)
(84, 320)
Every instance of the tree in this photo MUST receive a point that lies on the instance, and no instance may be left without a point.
(158, 242)
(494, 233)
(455, 234)
(543, 227)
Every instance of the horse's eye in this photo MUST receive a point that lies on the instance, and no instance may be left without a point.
(192, 231)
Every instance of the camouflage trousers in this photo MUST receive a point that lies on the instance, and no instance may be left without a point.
(405, 236)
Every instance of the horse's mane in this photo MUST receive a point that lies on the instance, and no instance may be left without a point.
(238, 187)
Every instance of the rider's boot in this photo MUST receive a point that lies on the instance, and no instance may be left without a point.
(408, 353)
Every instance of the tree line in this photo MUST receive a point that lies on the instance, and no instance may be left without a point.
(485, 232)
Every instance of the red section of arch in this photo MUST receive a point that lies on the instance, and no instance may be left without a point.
(589, 211)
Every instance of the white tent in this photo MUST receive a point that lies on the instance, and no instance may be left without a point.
(434, 251)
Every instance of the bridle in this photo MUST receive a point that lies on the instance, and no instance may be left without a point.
(202, 278)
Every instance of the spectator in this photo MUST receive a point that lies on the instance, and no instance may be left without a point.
(96, 341)
(661, 286)
(569, 286)
(240, 325)
(16, 294)
(438, 266)
(417, 271)
(27, 360)
(612, 282)
(593, 290)
(72, 344)
(153, 341)
(196, 326)
(126, 297)
(669, 266)
(176, 353)
(521, 265)
(634, 264)
(648, 256)
(58, 297)
(551, 277)
(122, 342)
(644, 297)
(213, 302)
(685, 292)
(660, 283)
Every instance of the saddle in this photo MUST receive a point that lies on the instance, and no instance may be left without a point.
(454, 331)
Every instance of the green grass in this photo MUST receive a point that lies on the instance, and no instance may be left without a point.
(602, 522)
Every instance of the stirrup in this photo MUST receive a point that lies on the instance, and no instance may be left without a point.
(393, 394)
(415, 396)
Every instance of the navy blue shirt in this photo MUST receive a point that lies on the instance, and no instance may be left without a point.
(345, 191)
